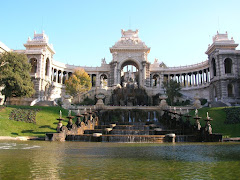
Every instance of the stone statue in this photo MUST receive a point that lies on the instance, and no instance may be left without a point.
(101, 81)
(103, 61)
(208, 128)
(59, 127)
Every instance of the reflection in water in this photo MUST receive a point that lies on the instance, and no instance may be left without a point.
(77, 160)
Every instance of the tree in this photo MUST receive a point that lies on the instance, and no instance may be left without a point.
(78, 83)
(172, 89)
(14, 75)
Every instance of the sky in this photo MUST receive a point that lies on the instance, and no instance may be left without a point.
(82, 31)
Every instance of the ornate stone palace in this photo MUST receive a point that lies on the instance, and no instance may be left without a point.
(216, 79)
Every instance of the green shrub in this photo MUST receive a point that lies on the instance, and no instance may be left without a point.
(203, 101)
(25, 115)
(232, 115)
(88, 101)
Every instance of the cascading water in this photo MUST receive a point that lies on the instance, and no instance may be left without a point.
(129, 116)
(148, 118)
(154, 116)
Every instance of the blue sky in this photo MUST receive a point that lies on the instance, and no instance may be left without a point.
(82, 32)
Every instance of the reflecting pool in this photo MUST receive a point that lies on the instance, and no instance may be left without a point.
(82, 160)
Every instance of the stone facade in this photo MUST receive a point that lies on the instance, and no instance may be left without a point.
(224, 62)
(216, 79)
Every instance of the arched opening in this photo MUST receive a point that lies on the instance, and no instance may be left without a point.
(54, 75)
(200, 77)
(59, 76)
(47, 67)
(230, 90)
(214, 67)
(129, 73)
(156, 80)
(69, 74)
(64, 76)
(94, 79)
(33, 62)
(228, 66)
(103, 81)
(165, 78)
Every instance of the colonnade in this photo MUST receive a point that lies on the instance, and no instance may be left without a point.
(186, 79)
(60, 76)
(190, 79)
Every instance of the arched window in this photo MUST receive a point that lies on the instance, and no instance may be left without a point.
(214, 67)
(47, 67)
(228, 66)
(230, 90)
(33, 62)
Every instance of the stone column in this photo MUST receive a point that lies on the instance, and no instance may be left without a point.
(52, 76)
(199, 78)
(39, 68)
(193, 79)
(67, 75)
(144, 73)
(181, 80)
(118, 76)
(61, 77)
(115, 73)
(97, 80)
(56, 80)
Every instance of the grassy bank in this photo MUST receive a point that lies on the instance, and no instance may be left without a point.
(46, 122)
(219, 116)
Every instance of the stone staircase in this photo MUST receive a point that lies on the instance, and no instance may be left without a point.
(218, 104)
(45, 103)
(134, 132)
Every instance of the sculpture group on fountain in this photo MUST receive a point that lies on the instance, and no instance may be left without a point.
(85, 121)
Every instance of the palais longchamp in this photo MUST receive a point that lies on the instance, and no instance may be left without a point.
(217, 79)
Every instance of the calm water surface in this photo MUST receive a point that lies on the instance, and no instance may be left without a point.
(78, 160)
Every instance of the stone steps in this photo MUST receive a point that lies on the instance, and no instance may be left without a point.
(45, 103)
(117, 138)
